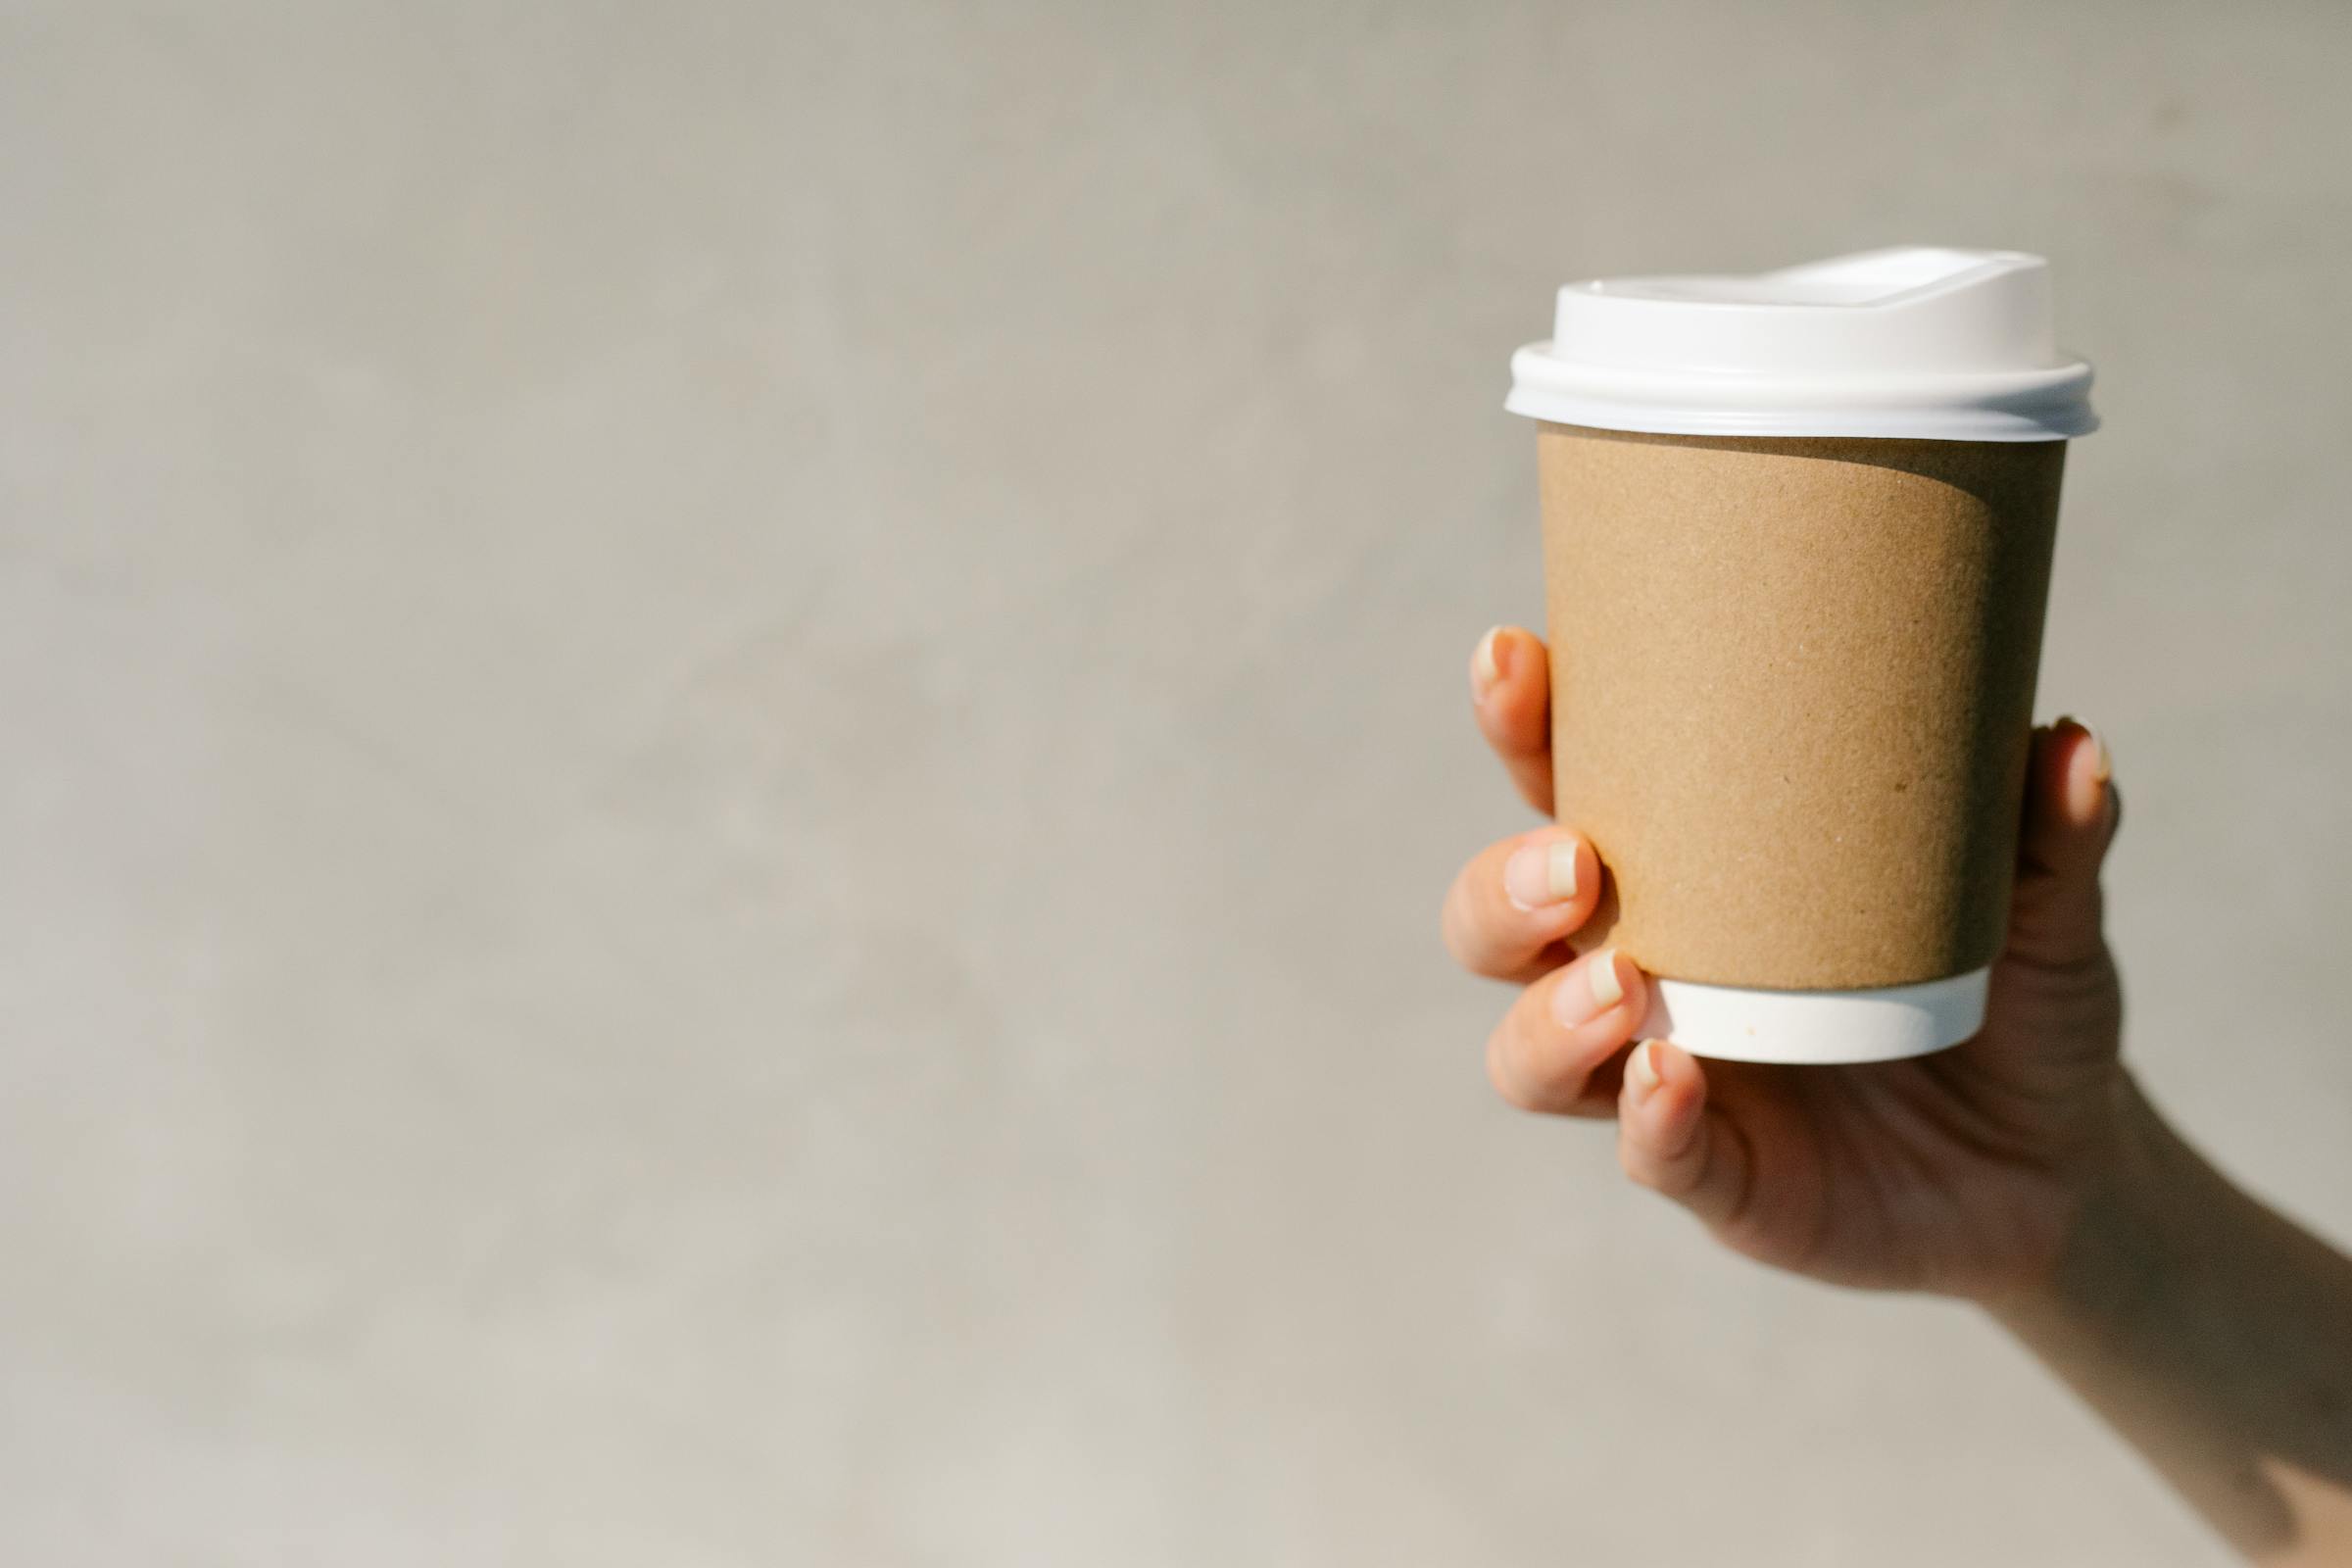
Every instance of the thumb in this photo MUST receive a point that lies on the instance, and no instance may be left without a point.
(2071, 815)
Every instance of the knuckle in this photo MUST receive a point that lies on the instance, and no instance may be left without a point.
(1502, 1070)
(1636, 1163)
(1460, 923)
(1524, 1069)
(1467, 917)
(1449, 924)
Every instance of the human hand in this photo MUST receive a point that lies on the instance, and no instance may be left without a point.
(1959, 1172)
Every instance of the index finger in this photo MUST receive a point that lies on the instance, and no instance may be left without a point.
(1510, 694)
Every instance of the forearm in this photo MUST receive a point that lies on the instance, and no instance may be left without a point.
(2212, 1334)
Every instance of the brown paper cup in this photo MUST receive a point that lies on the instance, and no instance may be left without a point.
(1793, 686)
(1794, 640)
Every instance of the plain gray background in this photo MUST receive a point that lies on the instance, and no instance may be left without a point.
(732, 732)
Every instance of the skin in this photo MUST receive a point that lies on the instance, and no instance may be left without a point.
(2023, 1170)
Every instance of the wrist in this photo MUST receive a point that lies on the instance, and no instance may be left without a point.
(2113, 1252)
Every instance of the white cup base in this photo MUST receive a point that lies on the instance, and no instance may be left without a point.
(1736, 1024)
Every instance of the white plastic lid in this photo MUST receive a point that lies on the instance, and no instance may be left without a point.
(1917, 341)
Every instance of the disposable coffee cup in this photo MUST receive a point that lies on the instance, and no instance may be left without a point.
(1797, 532)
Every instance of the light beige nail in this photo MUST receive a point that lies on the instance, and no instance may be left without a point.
(2102, 765)
(1483, 670)
(1602, 976)
(1642, 1069)
(1541, 875)
(1560, 866)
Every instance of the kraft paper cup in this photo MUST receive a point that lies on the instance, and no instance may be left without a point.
(1798, 538)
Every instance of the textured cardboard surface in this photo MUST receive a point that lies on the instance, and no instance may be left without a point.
(1794, 683)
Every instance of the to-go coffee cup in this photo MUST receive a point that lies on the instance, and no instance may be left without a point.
(1797, 533)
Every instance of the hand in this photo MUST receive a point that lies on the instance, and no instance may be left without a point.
(1959, 1172)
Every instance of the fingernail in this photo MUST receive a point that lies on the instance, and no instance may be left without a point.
(1541, 874)
(2102, 768)
(1483, 670)
(1607, 989)
(1573, 1006)
(1642, 1072)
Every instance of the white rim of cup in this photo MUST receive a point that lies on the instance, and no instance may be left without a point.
(1734, 1023)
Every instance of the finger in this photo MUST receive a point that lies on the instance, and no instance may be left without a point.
(2071, 815)
(1516, 901)
(1670, 1140)
(1546, 1052)
(1510, 693)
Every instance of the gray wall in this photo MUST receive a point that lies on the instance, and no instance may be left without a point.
(732, 732)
